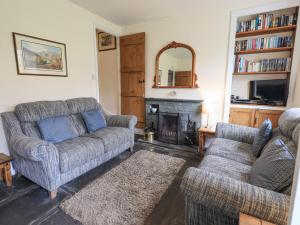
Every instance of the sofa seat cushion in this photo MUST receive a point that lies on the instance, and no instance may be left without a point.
(78, 151)
(234, 150)
(226, 167)
(112, 137)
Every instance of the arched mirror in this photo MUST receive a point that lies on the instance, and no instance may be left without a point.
(175, 67)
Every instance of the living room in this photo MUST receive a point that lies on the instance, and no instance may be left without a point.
(186, 117)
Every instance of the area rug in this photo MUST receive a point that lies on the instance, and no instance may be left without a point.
(127, 194)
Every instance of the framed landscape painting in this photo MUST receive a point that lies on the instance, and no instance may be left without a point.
(41, 57)
(106, 41)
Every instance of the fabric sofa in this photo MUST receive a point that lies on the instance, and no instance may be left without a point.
(52, 165)
(220, 187)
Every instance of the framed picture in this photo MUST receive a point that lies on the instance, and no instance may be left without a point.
(40, 57)
(106, 41)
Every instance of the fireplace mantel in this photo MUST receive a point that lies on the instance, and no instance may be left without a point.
(174, 100)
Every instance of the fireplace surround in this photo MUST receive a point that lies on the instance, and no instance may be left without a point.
(174, 121)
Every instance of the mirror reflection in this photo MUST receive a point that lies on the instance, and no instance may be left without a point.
(175, 67)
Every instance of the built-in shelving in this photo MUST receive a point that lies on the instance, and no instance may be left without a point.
(266, 31)
(256, 73)
(266, 50)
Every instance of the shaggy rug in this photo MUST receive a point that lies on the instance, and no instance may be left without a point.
(127, 194)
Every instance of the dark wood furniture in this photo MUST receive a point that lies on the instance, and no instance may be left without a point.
(193, 76)
(250, 220)
(5, 173)
(253, 117)
(203, 134)
(132, 56)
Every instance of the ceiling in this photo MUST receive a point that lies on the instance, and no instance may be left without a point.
(127, 12)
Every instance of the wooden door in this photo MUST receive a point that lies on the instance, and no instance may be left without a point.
(242, 116)
(261, 115)
(132, 56)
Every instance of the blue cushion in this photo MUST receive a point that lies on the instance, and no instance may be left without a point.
(262, 137)
(57, 129)
(94, 120)
(274, 169)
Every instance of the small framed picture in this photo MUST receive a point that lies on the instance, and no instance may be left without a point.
(40, 57)
(106, 41)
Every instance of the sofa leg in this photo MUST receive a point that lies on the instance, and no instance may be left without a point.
(52, 194)
(131, 149)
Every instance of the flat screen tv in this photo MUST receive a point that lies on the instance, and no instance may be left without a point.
(269, 90)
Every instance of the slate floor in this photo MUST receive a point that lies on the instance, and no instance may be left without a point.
(27, 203)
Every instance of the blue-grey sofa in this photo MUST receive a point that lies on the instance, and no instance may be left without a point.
(52, 165)
(220, 188)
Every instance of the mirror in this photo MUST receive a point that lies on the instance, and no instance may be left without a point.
(175, 67)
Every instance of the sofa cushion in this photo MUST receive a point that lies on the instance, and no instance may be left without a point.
(57, 129)
(226, 167)
(112, 137)
(288, 121)
(237, 151)
(31, 129)
(262, 137)
(274, 169)
(35, 111)
(94, 120)
(78, 151)
(296, 135)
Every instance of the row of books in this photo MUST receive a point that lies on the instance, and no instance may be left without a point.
(264, 65)
(262, 43)
(265, 21)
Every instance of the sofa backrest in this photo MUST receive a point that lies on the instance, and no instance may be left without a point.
(79, 105)
(29, 113)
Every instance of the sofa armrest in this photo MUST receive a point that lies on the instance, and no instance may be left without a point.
(32, 148)
(121, 121)
(232, 196)
(236, 132)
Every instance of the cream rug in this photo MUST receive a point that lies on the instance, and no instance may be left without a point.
(127, 194)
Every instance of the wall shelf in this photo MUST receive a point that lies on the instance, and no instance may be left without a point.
(256, 73)
(266, 50)
(266, 31)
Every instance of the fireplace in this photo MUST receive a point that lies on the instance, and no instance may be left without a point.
(169, 127)
(174, 120)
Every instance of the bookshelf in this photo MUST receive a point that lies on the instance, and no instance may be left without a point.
(264, 48)
(266, 31)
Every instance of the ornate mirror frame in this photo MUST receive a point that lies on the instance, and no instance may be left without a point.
(175, 45)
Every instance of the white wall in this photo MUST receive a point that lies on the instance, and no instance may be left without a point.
(109, 82)
(297, 91)
(207, 32)
(58, 20)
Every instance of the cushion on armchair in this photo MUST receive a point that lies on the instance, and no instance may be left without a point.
(94, 120)
(262, 137)
(274, 169)
(57, 129)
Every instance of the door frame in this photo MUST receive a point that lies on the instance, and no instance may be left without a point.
(96, 75)
(235, 14)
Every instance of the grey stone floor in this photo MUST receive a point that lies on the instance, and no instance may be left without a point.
(27, 203)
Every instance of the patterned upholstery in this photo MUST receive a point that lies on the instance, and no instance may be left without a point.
(35, 111)
(50, 165)
(78, 151)
(288, 121)
(237, 151)
(220, 188)
(236, 132)
(221, 198)
(226, 167)
(111, 137)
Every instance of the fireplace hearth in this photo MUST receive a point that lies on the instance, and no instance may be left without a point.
(169, 127)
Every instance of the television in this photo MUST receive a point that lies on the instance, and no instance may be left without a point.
(269, 90)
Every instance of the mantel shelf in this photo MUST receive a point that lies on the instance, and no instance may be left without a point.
(266, 31)
(266, 50)
(254, 73)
